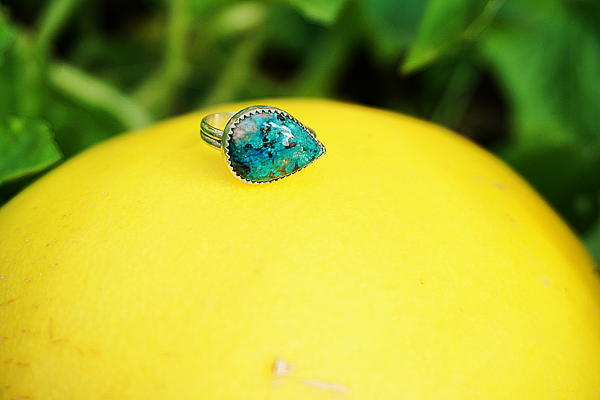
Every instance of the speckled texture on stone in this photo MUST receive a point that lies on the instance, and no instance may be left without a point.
(269, 145)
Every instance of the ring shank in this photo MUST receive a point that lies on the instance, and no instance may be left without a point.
(211, 128)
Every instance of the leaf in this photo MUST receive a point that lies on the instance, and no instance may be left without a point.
(22, 90)
(558, 85)
(94, 92)
(26, 143)
(393, 23)
(78, 126)
(565, 174)
(549, 65)
(446, 24)
(592, 241)
(26, 146)
(324, 12)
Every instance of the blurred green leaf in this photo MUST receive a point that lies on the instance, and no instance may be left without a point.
(21, 79)
(456, 95)
(98, 94)
(550, 68)
(6, 37)
(592, 240)
(77, 125)
(26, 146)
(324, 12)
(566, 174)
(26, 142)
(393, 23)
(445, 25)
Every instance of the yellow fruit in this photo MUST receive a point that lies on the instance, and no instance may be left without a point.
(406, 263)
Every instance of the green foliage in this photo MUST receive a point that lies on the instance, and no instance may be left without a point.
(447, 24)
(26, 143)
(321, 11)
(521, 77)
(393, 23)
(26, 147)
(556, 101)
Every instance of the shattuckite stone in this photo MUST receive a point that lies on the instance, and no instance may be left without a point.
(269, 145)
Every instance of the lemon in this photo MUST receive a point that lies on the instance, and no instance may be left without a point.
(406, 263)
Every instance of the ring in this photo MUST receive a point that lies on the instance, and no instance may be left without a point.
(261, 144)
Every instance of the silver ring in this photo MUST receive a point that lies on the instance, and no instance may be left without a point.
(261, 144)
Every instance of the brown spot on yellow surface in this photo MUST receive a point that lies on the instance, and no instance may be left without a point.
(7, 302)
(500, 186)
(23, 364)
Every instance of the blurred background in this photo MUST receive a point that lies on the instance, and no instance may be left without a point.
(519, 77)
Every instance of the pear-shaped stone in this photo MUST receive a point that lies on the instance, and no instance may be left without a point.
(263, 144)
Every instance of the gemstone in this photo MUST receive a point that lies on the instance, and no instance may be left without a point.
(263, 144)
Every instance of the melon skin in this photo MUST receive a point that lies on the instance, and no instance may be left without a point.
(404, 263)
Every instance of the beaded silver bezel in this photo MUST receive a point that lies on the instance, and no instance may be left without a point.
(255, 110)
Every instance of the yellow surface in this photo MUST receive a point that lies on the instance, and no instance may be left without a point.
(405, 264)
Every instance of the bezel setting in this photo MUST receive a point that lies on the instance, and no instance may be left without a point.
(227, 141)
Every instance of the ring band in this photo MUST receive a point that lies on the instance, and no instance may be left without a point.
(209, 127)
(261, 144)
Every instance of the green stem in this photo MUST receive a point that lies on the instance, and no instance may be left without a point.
(324, 65)
(176, 40)
(327, 59)
(159, 91)
(95, 93)
(27, 76)
(238, 71)
(456, 96)
(483, 20)
(54, 17)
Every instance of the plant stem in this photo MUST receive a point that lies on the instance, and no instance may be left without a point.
(327, 59)
(96, 93)
(176, 40)
(158, 92)
(238, 71)
(454, 100)
(324, 64)
(52, 21)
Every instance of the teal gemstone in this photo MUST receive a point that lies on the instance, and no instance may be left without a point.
(263, 144)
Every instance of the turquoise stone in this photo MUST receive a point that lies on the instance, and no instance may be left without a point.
(267, 144)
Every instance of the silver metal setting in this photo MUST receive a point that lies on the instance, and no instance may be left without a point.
(219, 138)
